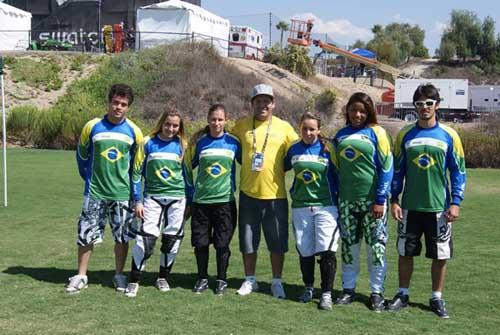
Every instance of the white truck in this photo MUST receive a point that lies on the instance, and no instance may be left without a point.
(454, 94)
(245, 42)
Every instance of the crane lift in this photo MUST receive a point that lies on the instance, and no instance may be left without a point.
(300, 34)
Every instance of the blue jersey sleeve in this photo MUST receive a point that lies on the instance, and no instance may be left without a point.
(456, 165)
(384, 163)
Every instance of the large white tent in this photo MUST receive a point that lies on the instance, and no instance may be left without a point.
(176, 20)
(15, 28)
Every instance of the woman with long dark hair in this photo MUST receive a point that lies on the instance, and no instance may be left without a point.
(364, 163)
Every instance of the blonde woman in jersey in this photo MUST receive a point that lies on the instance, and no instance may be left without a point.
(159, 164)
(364, 162)
(314, 210)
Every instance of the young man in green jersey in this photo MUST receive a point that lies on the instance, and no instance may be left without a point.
(424, 153)
(104, 155)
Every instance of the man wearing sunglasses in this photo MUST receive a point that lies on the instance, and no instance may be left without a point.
(423, 154)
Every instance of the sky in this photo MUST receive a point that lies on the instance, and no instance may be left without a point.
(346, 21)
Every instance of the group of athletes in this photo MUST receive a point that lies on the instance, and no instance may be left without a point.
(343, 189)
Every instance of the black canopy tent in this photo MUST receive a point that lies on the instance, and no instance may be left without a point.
(76, 21)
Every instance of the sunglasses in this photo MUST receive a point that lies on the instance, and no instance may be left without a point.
(425, 103)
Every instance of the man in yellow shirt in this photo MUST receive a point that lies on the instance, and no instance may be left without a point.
(264, 141)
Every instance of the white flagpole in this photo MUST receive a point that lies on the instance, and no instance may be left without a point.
(4, 132)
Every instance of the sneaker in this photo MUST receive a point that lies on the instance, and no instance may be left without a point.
(438, 307)
(377, 302)
(120, 282)
(76, 284)
(308, 294)
(220, 287)
(325, 303)
(201, 285)
(248, 287)
(162, 285)
(400, 301)
(346, 298)
(131, 290)
(277, 290)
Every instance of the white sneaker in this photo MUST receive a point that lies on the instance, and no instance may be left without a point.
(277, 290)
(76, 284)
(248, 287)
(325, 303)
(308, 294)
(120, 282)
(131, 290)
(162, 285)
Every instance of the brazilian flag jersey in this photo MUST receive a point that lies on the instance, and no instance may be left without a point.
(363, 159)
(422, 158)
(159, 162)
(314, 183)
(214, 159)
(104, 155)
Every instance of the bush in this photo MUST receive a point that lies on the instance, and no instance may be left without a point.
(294, 59)
(325, 101)
(43, 75)
(21, 123)
(482, 145)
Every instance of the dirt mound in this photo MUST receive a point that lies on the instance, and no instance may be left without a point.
(24, 92)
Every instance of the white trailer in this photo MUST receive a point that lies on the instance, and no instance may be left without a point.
(245, 42)
(454, 94)
(484, 99)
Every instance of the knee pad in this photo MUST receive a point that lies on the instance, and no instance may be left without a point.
(149, 245)
(222, 251)
(328, 259)
(168, 243)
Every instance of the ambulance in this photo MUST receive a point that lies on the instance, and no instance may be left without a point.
(245, 42)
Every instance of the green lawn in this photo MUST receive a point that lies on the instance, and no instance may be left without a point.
(37, 255)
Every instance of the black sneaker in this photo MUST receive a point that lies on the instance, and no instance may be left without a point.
(346, 298)
(400, 301)
(201, 285)
(220, 287)
(438, 307)
(377, 302)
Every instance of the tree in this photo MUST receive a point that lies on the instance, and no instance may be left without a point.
(397, 42)
(358, 44)
(487, 46)
(465, 32)
(282, 26)
(447, 50)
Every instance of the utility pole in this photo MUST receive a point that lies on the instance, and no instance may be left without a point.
(99, 28)
(270, 28)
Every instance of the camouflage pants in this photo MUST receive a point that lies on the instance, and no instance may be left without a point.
(356, 221)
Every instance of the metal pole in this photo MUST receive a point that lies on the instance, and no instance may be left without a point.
(270, 28)
(99, 25)
(4, 131)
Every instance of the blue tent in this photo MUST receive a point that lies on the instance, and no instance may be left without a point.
(364, 53)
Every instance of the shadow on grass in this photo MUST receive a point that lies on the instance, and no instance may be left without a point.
(180, 280)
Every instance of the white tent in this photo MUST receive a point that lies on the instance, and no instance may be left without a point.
(176, 20)
(15, 28)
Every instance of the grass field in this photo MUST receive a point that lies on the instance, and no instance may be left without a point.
(38, 254)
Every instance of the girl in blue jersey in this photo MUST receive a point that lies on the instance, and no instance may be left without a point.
(213, 152)
(159, 163)
(314, 210)
(364, 162)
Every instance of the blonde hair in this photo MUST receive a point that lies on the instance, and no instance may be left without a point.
(159, 125)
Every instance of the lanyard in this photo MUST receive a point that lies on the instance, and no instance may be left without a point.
(254, 147)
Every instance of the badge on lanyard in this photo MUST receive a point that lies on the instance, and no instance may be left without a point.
(257, 161)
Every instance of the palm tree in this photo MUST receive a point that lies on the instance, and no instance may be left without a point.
(282, 26)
